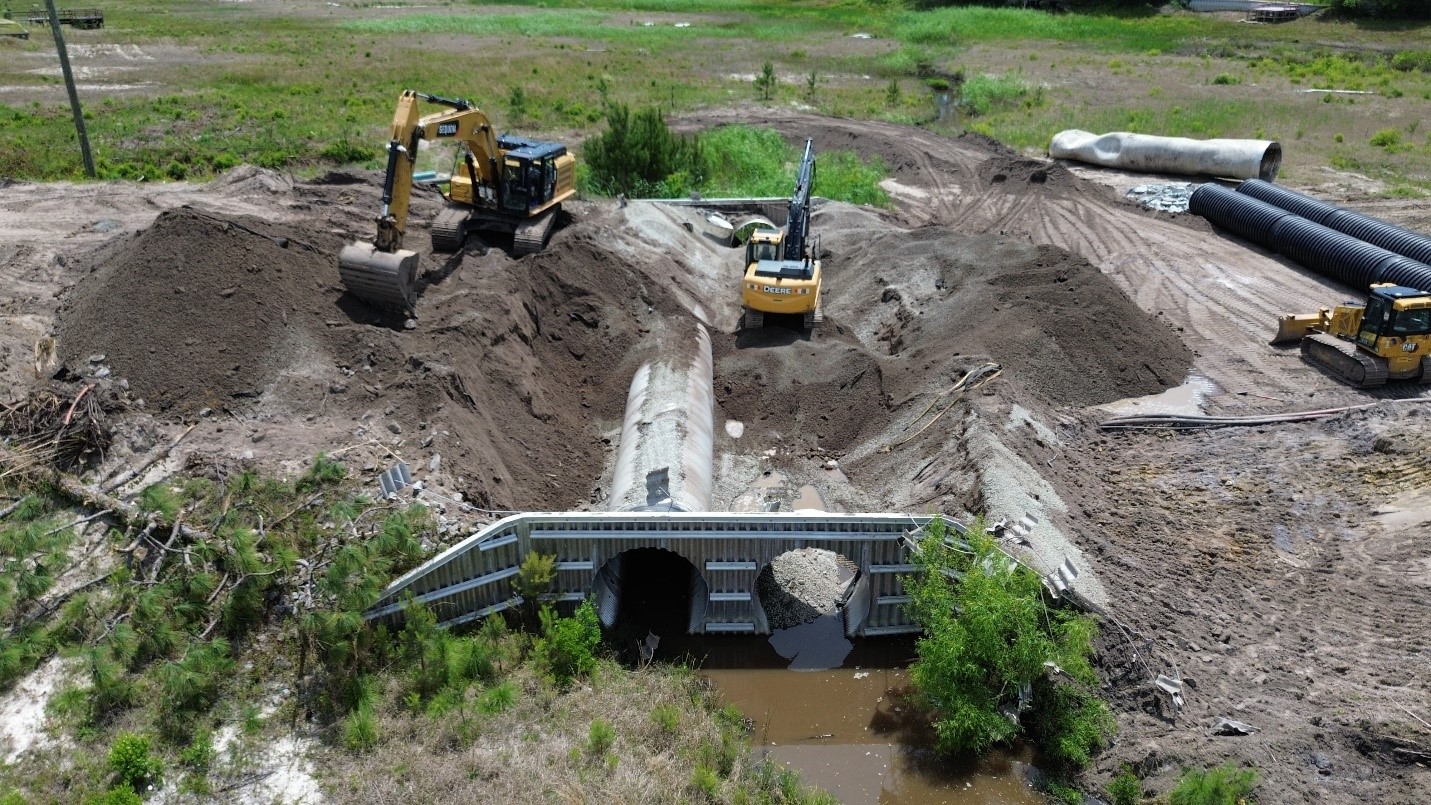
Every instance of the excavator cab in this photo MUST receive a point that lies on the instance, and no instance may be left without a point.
(529, 173)
(1383, 317)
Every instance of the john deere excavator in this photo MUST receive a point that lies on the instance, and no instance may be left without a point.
(781, 272)
(502, 184)
(1388, 338)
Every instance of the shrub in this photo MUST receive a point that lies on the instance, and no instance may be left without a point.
(497, 699)
(1386, 138)
(1409, 60)
(322, 472)
(638, 153)
(667, 717)
(1222, 785)
(705, 783)
(131, 764)
(360, 729)
(987, 637)
(1124, 789)
(122, 795)
(600, 737)
(342, 152)
(199, 754)
(1227, 79)
(983, 94)
(766, 81)
(567, 646)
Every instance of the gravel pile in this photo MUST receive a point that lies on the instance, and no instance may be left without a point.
(1166, 197)
(801, 585)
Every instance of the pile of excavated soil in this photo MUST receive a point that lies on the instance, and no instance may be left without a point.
(194, 311)
(515, 365)
(1057, 325)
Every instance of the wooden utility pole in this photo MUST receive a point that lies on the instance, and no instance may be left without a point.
(70, 87)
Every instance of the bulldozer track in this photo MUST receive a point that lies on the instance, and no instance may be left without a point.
(1343, 360)
(531, 236)
(449, 229)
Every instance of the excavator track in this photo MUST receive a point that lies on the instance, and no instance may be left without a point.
(816, 316)
(752, 319)
(1344, 360)
(531, 236)
(449, 229)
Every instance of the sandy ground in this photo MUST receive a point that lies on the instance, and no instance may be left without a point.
(1219, 555)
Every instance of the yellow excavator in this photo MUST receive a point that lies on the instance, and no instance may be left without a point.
(504, 184)
(1388, 338)
(781, 272)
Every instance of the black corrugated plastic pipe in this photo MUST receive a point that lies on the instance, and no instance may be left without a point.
(1362, 227)
(1332, 254)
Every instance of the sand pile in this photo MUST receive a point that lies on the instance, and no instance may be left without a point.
(1058, 326)
(516, 365)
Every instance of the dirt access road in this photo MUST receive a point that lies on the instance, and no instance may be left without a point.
(1221, 555)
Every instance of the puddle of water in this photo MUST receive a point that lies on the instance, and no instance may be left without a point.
(846, 728)
(1185, 399)
(809, 498)
(770, 480)
(816, 646)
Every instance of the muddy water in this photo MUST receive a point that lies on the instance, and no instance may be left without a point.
(845, 728)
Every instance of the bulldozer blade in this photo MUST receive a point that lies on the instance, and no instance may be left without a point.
(385, 279)
(1293, 328)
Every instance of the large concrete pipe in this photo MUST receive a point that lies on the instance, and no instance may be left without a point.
(1362, 227)
(1335, 255)
(1237, 159)
(665, 459)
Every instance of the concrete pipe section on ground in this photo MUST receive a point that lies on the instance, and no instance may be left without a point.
(1235, 159)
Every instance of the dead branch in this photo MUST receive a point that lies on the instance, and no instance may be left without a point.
(79, 522)
(129, 475)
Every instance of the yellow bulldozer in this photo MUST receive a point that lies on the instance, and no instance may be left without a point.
(1388, 338)
(504, 184)
(782, 274)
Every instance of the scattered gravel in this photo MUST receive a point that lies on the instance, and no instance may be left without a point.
(801, 585)
(1166, 197)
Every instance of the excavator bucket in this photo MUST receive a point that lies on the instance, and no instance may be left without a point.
(1293, 328)
(385, 279)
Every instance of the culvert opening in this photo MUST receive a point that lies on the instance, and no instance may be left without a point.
(805, 595)
(649, 590)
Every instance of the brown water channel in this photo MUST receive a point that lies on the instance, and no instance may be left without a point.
(832, 710)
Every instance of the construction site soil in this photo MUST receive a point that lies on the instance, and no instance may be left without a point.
(1280, 572)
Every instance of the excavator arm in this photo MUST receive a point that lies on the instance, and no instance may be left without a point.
(463, 122)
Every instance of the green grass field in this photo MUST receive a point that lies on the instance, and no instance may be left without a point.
(303, 86)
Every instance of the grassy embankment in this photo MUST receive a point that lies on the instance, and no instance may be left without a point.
(222, 616)
(310, 86)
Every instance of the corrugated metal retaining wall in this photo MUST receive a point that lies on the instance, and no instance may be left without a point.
(474, 578)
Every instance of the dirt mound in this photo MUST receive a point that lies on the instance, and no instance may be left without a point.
(1014, 171)
(195, 310)
(199, 312)
(1058, 326)
(822, 392)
